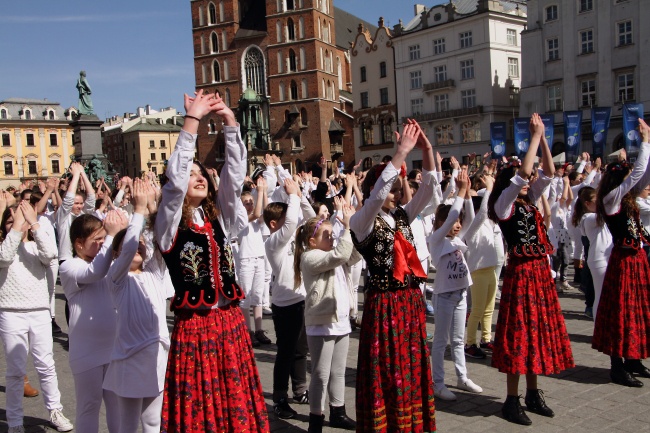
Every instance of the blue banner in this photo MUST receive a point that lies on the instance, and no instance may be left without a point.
(498, 139)
(631, 115)
(599, 127)
(572, 134)
(522, 136)
(549, 128)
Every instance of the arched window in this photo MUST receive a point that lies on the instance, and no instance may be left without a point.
(51, 114)
(301, 28)
(326, 32)
(278, 31)
(303, 59)
(3, 114)
(291, 30)
(329, 32)
(445, 134)
(222, 12)
(281, 97)
(214, 43)
(294, 90)
(204, 74)
(290, 5)
(324, 89)
(292, 61)
(280, 62)
(328, 61)
(254, 74)
(304, 88)
(227, 99)
(471, 131)
(212, 14)
(339, 72)
(280, 5)
(319, 30)
(212, 127)
(224, 40)
(303, 116)
(28, 114)
(387, 130)
(202, 44)
(332, 92)
(366, 133)
(216, 72)
(200, 16)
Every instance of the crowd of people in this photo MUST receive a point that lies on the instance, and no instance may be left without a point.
(224, 249)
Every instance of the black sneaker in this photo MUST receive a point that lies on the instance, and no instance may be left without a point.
(56, 329)
(302, 398)
(255, 343)
(283, 410)
(474, 351)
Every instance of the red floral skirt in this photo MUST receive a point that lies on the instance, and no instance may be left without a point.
(531, 337)
(212, 383)
(623, 318)
(394, 384)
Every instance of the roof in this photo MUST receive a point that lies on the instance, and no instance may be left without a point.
(152, 125)
(14, 106)
(335, 126)
(346, 26)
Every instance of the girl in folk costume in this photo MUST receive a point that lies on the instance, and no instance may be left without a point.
(212, 383)
(623, 317)
(531, 337)
(394, 385)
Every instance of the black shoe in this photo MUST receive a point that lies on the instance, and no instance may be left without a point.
(634, 366)
(316, 423)
(622, 377)
(513, 412)
(339, 419)
(302, 398)
(283, 410)
(474, 351)
(254, 340)
(56, 329)
(262, 338)
(535, 403)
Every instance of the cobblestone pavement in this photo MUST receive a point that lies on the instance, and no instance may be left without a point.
(583, 398)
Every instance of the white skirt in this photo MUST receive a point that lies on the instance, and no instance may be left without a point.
(140, 375)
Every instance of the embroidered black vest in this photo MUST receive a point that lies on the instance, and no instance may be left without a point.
(525, 232)
(627, 231)
(201, 266)
(377, 250)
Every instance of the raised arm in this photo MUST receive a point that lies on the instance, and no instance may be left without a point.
(120, 267)
(89, 203)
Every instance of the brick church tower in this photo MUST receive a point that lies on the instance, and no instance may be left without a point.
(278, 66)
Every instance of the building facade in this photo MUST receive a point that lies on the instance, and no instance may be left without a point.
(286, 63)
(457, 69)
(375, 99)
(581, 54)
(36, 140)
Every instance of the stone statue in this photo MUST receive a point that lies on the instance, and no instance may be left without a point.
(95, 170)
(85, 103)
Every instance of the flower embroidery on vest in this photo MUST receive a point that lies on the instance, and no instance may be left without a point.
(194, 268)
(229, 264)
(527, 226)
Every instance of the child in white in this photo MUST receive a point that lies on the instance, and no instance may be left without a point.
(25, 323)
(327, 313)
(93, 320)
(450, 292)
(136, 373)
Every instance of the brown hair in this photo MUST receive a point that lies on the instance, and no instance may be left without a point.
(502, 182)
(117, 241)
(614, 175)
(585, 195)
(303, 234)
(274, 211)
(82, 227)
(442, 212)
(5, 216)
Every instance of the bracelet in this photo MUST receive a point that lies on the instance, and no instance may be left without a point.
(192, 117)
(33, 224)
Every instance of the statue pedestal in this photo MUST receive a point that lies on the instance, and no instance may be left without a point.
(87, 143)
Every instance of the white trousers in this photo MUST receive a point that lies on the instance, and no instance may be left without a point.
(451, 310)
(251, 278)
(266, 299)
(355, 276)
(50, 273)
(22, 332)
(89, 390)
(140, 411)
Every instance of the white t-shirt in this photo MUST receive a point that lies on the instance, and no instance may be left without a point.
(251, 240)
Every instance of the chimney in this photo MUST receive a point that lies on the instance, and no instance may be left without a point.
(418, 9)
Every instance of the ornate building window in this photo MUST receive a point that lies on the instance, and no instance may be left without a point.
(366, 133)
(216, 72)
(387, 130)
(471, 131)
(445, 134)
(212, 14)
(291, 30)
(254, 74)
(214, 43)
(292, 61)
(294, 90)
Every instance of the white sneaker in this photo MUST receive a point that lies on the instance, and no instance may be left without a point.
(59, 421)
(443, 393)
(16, 429)
(266, 311)
(429, 288)
(468, 386)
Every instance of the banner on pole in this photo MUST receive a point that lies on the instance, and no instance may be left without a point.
(498, 139)
(522, 136)
(549, 125)
(599, 128)
(572, 134)
(631, 115)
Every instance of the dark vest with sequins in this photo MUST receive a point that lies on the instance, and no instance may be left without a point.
(377, 250)
(525, 232)
(627, 230)
(201, 266)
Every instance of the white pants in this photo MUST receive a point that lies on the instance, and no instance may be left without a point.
(50, 273)
(89, 389)
(140, 411)
(355, 276)
(598, 276)
(251, 278)
(266, 299)
(451, 310)
(21, 332)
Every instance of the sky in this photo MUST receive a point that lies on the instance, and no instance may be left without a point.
(135, 53)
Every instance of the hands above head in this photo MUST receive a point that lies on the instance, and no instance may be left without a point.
(454, 163)
(644, 130)
(261, 185)
(114, 222)
(19, 219)
(290, 187)
(536, 125)
(29, 213)
(223, 111)
(339, 202)
(350, 180)
(462, 181)
(622, 155)
(52, 183)
(488, 181)
(198, 106)
(268, 160)
(598, 163)
(76, 169)
(348, 211)
(139, 196)
(276, 160)
(409, 137)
